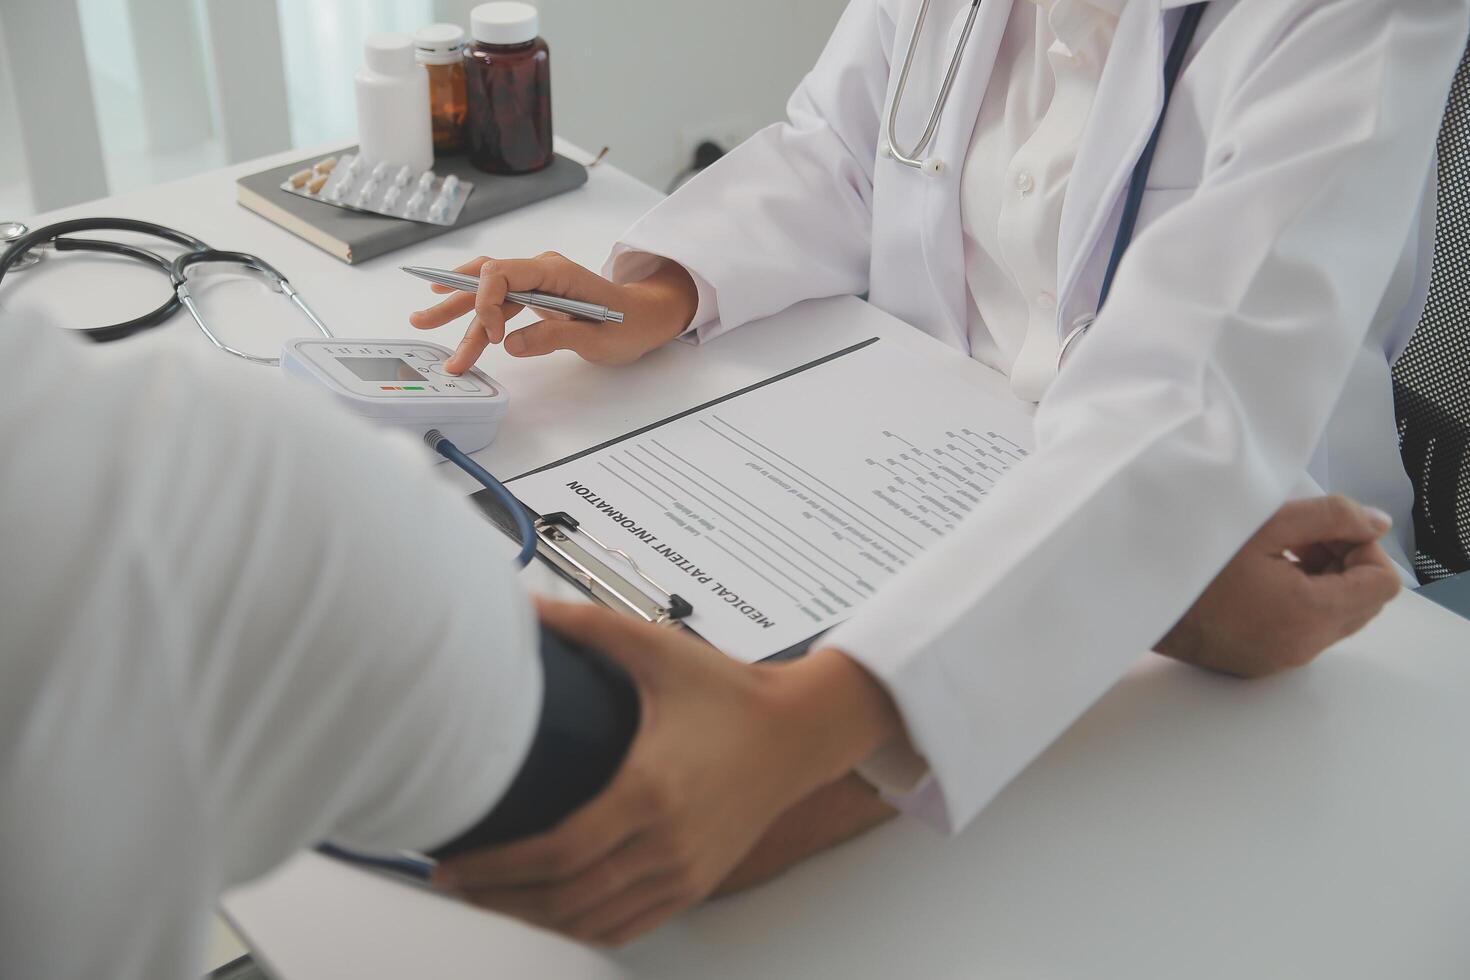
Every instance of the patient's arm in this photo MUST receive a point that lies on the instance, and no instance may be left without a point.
(589, 715)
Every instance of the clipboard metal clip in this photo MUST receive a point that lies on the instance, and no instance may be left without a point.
(560, 534)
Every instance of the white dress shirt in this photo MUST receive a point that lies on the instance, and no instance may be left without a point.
(233, 623)
(1015, 181)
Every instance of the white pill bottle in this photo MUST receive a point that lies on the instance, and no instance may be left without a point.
(393, 120)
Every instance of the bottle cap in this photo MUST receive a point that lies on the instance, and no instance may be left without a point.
(389, 54)
(504, 22)
(439, 44)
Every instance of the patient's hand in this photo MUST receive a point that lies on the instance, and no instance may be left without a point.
(1267, 613)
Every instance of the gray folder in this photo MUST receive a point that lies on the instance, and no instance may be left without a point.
(355, 236)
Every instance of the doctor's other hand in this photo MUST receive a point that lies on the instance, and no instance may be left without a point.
(832, 815)
(656, 309)
(1313, 575)
(722, 750)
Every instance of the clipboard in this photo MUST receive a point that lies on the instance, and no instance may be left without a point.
(583, 560)
(587, 563)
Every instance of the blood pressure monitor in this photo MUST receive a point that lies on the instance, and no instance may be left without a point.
(402, 384)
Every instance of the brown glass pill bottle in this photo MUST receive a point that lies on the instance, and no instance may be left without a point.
(439, 48)
(508, 85)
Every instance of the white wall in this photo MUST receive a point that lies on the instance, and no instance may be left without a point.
(15, 195)
(644, 77)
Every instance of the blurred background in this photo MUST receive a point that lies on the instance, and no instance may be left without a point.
(102, 96)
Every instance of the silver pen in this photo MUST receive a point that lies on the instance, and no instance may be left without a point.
(574, 308)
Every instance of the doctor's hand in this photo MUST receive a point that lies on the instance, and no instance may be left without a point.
(655, 310)
(722, 750)
(1267, 612)
(832, 815)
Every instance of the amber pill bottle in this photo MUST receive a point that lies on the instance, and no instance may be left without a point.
(508, 89)
(440, 49)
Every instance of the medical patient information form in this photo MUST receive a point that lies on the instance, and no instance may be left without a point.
(777, 511)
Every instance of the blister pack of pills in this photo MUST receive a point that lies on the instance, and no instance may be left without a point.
(383, 188)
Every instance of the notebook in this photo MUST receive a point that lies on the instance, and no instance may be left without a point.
(355, 236)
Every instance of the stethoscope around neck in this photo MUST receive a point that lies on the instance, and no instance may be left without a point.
(914, 158)
(933, 166)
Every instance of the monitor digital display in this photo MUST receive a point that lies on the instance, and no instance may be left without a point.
(381, 370)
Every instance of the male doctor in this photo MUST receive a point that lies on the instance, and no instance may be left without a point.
(1243, 355)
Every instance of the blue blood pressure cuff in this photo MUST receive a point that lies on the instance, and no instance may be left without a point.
(589, 716)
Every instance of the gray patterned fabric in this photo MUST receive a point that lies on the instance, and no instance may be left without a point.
(1432, 379)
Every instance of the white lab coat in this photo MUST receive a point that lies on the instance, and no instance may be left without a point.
(1281, 263)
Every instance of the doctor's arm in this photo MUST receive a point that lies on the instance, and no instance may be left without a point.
(1263, 614)
(1183, 421)
(786, 216)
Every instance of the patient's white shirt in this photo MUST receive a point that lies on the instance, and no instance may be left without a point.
(232, 623)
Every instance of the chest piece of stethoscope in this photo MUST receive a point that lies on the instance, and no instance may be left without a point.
(13, 231)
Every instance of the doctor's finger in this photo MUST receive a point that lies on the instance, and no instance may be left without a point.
(1361, 590)
(456, 306)
(551, 273)
(1300, 523)
(471, 346)
(582, 840)
(1367, 556)
(634, 868)
(628, 904)
(441, 313)
(491, 303)
(1371, 553)
(470, 268)
(1323, 557)
(545, 336)
(652, 655)
(643, 923)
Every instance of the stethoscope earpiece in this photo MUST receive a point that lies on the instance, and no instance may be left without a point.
(12, 232)
(931, 166)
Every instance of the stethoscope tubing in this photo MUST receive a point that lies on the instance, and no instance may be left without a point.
(53, 235)
(1133, 203)
(914, 158)
(179, 274)
(197, 252)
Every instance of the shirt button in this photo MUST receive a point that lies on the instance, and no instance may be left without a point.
(1046, 302)
(1025, 183)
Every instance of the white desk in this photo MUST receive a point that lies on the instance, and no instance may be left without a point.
(1317, 825)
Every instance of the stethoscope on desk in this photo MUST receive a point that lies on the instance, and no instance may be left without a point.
(24, 249)
(933, 166)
